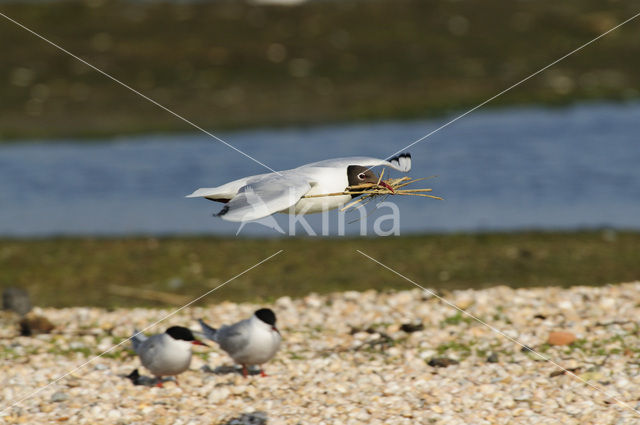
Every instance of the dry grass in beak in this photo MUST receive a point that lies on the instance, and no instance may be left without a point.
(372, 190)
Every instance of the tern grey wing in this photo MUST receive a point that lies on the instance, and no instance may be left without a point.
(148, 351)
(137, 339)
(234, 338)
(266, 195)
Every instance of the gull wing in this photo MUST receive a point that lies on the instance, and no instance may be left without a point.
(401, 162)
(266, 195)
(225, 192)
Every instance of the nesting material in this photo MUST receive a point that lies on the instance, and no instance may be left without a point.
(382, 188)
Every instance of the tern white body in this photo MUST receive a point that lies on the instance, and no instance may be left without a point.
(164, 356)
(250, 342)
(261, 343)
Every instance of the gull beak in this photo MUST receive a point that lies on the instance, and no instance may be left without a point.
(198, 342)
(385, 185)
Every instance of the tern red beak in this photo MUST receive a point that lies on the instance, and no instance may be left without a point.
(198, 342)
(383, 184)
(275, 329)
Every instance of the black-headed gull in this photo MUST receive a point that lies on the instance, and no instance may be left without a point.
(165, 354)
(255, 197)
(252, 341)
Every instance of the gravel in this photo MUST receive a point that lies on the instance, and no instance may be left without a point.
(346, 359)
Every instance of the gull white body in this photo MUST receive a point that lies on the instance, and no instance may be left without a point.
(255, 197)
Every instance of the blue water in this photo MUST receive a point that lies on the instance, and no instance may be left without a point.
(523, 168)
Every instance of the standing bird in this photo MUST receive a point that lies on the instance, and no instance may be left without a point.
(165, 354)
(252, 341)
(255, 197)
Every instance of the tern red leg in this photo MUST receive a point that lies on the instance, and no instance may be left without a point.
(159, 382)
(262, 373)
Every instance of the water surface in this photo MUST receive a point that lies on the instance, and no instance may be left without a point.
(509, 169)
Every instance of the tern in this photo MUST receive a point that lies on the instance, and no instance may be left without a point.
(252, 341)
(254, 197)
(165, 354)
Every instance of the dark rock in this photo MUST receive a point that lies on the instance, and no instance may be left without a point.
(563, 371)
(16, 299)
(255, 418)
(370, 330)
(493, 358)
(411, 327)
(526, 349)
(32, 324)
(442, 362)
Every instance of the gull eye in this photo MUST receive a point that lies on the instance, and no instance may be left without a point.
(361, 176)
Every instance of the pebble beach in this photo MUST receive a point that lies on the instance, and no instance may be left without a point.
(401, 357)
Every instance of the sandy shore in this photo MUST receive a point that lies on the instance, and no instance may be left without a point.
(347, 359)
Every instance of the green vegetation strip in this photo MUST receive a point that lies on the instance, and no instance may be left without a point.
(226, 64)
(85, 271)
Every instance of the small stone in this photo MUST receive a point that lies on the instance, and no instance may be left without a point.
(411, 327)
(522, 396)
(465, 303)
(561, 338)
(594, 376)
(114, 414)
(59, 396)
(442, 362)
(493, 358)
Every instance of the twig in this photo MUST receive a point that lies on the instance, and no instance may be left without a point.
(371, 190)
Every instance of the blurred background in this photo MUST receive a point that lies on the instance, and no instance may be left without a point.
(541, 186)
